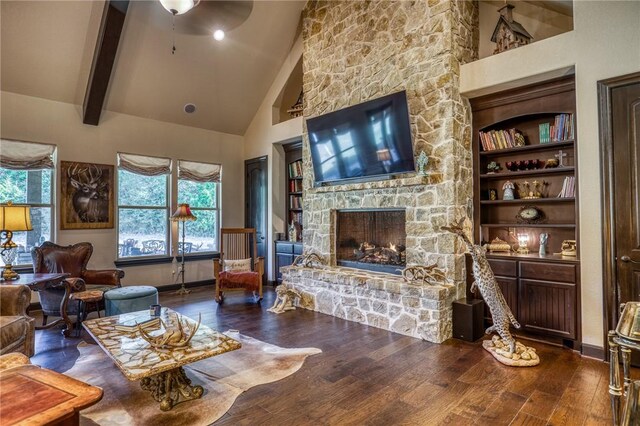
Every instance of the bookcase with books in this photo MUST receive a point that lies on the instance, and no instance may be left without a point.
(287, 248)
(525, 195)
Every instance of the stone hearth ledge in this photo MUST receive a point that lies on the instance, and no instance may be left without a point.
(376, 299)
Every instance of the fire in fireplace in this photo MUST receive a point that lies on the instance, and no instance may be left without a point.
(372, 239)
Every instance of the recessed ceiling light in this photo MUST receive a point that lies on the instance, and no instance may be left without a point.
(218, 35)
(189, 108)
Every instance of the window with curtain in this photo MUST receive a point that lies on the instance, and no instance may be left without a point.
(143, 205)
(199, 186)
(26, 177)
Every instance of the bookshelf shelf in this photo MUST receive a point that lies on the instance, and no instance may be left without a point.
(552, 146)
(294, 174)
(523, 173)
(529, 201)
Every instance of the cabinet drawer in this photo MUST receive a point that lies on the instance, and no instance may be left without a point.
(504, 268)
(565, 273)
(297, 248)
(282, 247)
(548, 307)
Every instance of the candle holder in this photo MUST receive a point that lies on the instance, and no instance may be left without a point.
(523, 244)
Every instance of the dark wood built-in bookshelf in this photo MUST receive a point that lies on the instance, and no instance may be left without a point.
(546, 303)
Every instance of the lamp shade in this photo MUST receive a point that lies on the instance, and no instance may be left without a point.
(182, 213)
(178, 7)
(15, 218)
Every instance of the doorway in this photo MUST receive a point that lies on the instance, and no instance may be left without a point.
(255, 190)
(620, 155)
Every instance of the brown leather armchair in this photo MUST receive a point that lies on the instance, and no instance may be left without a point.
(73, 260)
(17, 329)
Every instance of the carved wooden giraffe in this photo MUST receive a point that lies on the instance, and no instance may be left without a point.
(485, 281)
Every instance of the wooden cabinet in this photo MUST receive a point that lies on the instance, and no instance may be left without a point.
(541, 290)
(286, 252)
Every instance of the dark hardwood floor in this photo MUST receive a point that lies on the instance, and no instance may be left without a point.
(370, 376)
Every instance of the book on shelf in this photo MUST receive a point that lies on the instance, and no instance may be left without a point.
(295, 169)
(295, 201)
(295, 217)
(498, 139)
(543, 130)
(562, 128)
(130, 322)
(295, 185)
(568, 187)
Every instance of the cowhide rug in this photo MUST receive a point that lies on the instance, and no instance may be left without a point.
(223, 377)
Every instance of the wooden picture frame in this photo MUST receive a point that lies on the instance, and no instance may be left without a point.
(87, 195)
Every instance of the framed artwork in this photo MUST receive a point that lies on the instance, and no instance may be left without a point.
(87, 195)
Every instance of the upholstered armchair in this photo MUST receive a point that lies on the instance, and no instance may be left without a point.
(16, 327)
(239, 266)
(73, 260)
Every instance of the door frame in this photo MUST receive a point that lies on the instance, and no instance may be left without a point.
(264, 158)
(607, 169)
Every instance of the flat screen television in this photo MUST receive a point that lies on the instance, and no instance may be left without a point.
(371, 139)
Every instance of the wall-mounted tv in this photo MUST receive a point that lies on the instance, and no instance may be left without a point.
(367, 140)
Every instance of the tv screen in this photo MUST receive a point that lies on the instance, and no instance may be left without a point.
(361, 141)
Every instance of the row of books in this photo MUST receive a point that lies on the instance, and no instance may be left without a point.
(295, 169)
(568, 187)
(295, 217)
(295, 201)
(295, 186)
(560, 130)
(500, 139)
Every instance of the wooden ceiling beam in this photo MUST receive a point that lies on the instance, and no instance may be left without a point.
(104, 56)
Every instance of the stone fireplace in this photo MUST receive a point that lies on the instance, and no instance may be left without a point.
(354, 52)
(371, 239)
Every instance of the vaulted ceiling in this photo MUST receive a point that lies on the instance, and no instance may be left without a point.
(47, 48)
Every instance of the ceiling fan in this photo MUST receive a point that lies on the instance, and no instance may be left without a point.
(202, 17)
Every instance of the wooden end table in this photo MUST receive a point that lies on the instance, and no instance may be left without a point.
(39, 282)
(32, 395)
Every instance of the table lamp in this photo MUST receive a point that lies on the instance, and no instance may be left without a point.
(523, 242)
(12, 219)
(182, 214)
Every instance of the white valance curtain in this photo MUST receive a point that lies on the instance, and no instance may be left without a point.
(18, 155)
(199, 172)
(143, 165)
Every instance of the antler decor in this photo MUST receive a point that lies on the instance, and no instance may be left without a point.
(177, 335)
(424, 274)
(309, 260)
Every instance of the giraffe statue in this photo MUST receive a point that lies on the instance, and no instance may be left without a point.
(485, 281)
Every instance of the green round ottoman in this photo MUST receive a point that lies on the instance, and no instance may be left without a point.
(129, 299)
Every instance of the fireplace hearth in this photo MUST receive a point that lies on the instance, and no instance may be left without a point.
(371, 239)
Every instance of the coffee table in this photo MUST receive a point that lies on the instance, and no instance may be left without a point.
(159, 370)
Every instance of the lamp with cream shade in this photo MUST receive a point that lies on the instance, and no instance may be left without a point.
(13, 218)
(183, 214)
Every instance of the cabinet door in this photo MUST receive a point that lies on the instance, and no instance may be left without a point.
(282, 260)
(548, 307)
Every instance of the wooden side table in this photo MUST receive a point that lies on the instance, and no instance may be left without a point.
(30, 395)
(38, 282)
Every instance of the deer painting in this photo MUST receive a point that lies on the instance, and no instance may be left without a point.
(87, 194)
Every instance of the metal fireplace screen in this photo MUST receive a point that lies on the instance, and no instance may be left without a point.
(371, 239)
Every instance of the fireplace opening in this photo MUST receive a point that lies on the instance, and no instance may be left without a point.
(372, 239)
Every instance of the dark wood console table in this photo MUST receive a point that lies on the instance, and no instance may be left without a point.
(38, 282)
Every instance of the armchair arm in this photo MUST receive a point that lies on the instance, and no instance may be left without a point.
(107, 276)
(260, 266)
(14, 300)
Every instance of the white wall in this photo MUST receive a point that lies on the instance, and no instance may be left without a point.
(40, 120)
(605, 43)
(265, 138)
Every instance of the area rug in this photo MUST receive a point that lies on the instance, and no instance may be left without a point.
(224, 378)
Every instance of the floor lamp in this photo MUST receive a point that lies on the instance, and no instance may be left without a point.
(183, 214)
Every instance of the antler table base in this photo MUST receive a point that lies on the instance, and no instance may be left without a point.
(171, 388)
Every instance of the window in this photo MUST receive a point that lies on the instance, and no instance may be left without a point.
(199, 186)
(26, 177)
(143, 205)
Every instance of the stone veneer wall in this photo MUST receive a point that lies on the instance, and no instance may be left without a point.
(359, 50)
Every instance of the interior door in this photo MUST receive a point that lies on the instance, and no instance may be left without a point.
(625, 126)
(255, 215)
